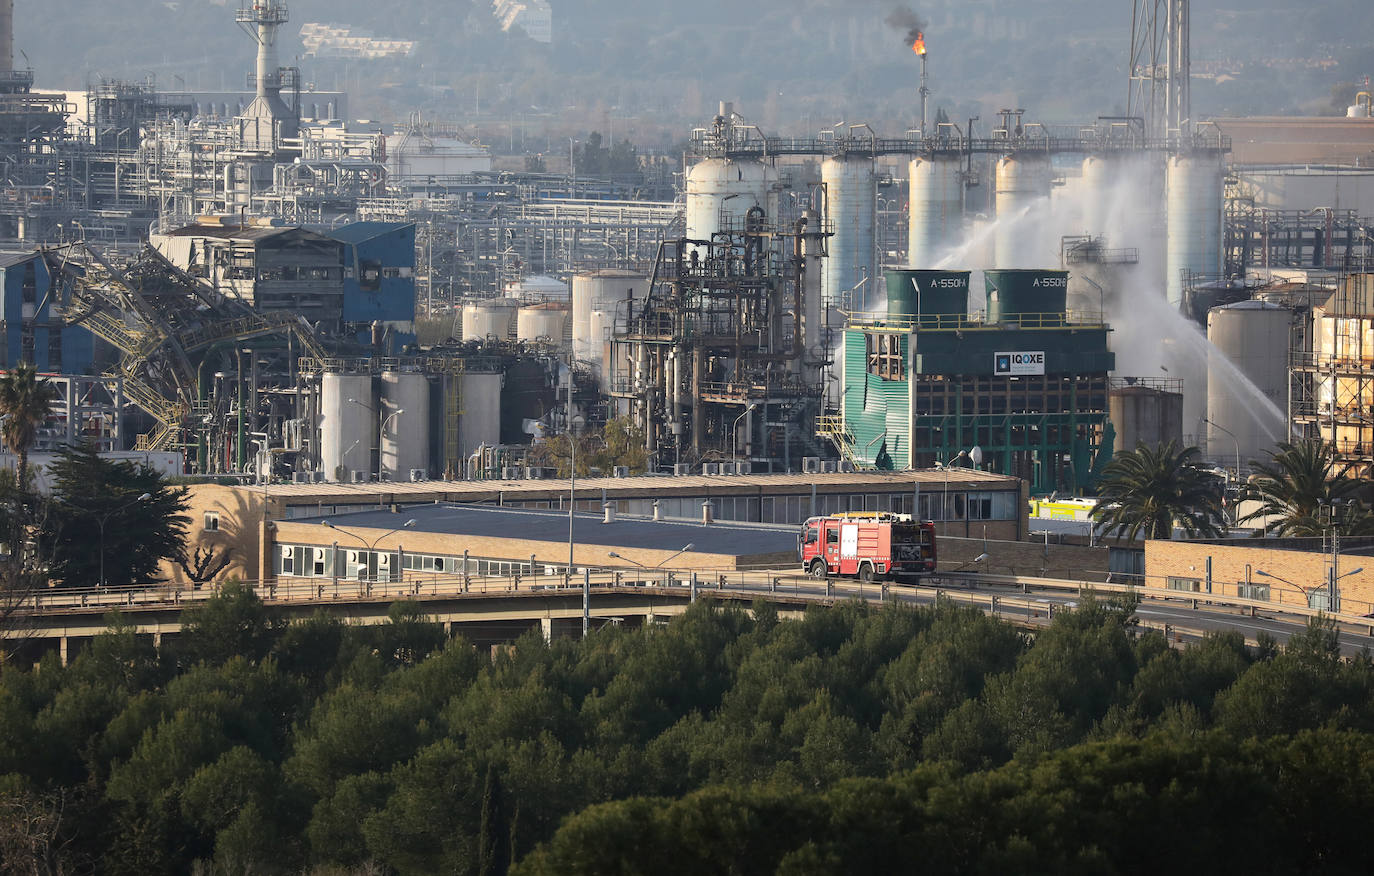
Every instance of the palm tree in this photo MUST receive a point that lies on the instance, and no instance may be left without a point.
(1292, 485)
(25, 400)
(1154, 489)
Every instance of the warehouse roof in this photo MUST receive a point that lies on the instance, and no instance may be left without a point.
(485, 521)
(644, 485)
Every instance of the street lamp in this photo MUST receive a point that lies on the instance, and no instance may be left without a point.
(684, 549)
(574, 424)
(370, 545)
(1214, 424)
(944, 498)
(734, 435)
(102, 519)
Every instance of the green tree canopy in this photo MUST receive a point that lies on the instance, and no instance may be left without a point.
(131, 516)
(1151, 490)
(1292, 485)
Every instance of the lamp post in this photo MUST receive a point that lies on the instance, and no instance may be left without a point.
(381, 434)
(944, 499)
(370, 545)
(684, 549)
(103, 519)
(734, 435)
(1234, 440)
(574, 424)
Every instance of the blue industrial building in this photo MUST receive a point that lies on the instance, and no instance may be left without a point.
(379, 281)
(32, 331)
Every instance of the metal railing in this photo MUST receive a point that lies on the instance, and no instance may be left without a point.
(1016, 591)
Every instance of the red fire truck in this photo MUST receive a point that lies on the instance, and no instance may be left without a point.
(867, 544)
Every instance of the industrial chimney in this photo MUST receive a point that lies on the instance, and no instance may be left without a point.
(261, 20)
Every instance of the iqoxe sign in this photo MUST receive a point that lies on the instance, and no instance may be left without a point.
(1019, 363)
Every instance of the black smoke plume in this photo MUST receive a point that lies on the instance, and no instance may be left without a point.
(906, 20)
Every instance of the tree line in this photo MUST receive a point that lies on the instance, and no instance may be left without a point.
(1301, 490)
(854, 739)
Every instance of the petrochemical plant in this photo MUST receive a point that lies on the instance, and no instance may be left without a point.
(251, 284)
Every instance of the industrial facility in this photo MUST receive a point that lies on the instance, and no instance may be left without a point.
(266, 290)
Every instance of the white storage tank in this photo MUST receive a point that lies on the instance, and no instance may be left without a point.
(1021, 181)
(1247, 390)
(404, 416)
(480, 422)
(937, 208)
(495, 318)
(348, 425)
(720, 191)
(850, 203)
(601, 291)
(546, 322)
(601, 323)
(537, 287)
(1193, 200)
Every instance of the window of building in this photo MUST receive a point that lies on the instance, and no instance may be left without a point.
(1187, 585)
(1252, 591)
(885, 357)
(211, 521)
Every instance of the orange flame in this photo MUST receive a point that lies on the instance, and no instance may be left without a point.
(919, 47)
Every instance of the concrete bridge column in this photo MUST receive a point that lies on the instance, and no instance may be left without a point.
(546, 627)
(62, 650)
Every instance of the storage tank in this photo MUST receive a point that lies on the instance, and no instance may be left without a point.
(348, 425)
(601, 290)
(1145, 414)
(404, 420)
(601, 323)
(720, 191)
(1021, 181)
(495, 317)
(851, 193)
(936, 208)
(1247, 390)
(1026, 295)
(546, 322)
(935, 297)
(480, 422)
(1192, 193)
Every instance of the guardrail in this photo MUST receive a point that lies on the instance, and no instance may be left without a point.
(963, 587)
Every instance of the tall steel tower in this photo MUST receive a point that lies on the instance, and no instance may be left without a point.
(260, 20)
(1159, 67)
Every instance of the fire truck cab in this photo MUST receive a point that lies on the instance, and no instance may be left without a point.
(867, 545)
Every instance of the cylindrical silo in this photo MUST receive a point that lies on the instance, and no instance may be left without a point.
(930, 298)
(494, 318)
(851, 193)
(720, 191)
(600, 325)
(404, 416)
(480, 423)
(1247, 380)
(348, 425)
(603, 290)
(546, 322)
(1193, 198)
(1021, 180)
(1026, 295)
(1145, 414)
(936, 208)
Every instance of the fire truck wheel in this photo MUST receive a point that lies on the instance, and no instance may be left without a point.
(866, 573)
(817, 569)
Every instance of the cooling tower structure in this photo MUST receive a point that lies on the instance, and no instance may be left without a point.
(850, 206)
(937, 208)
(1252, 336)
(722, 191)
(1022, 179)
(1193, 201)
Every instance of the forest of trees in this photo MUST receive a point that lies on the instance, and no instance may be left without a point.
(857, 739)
